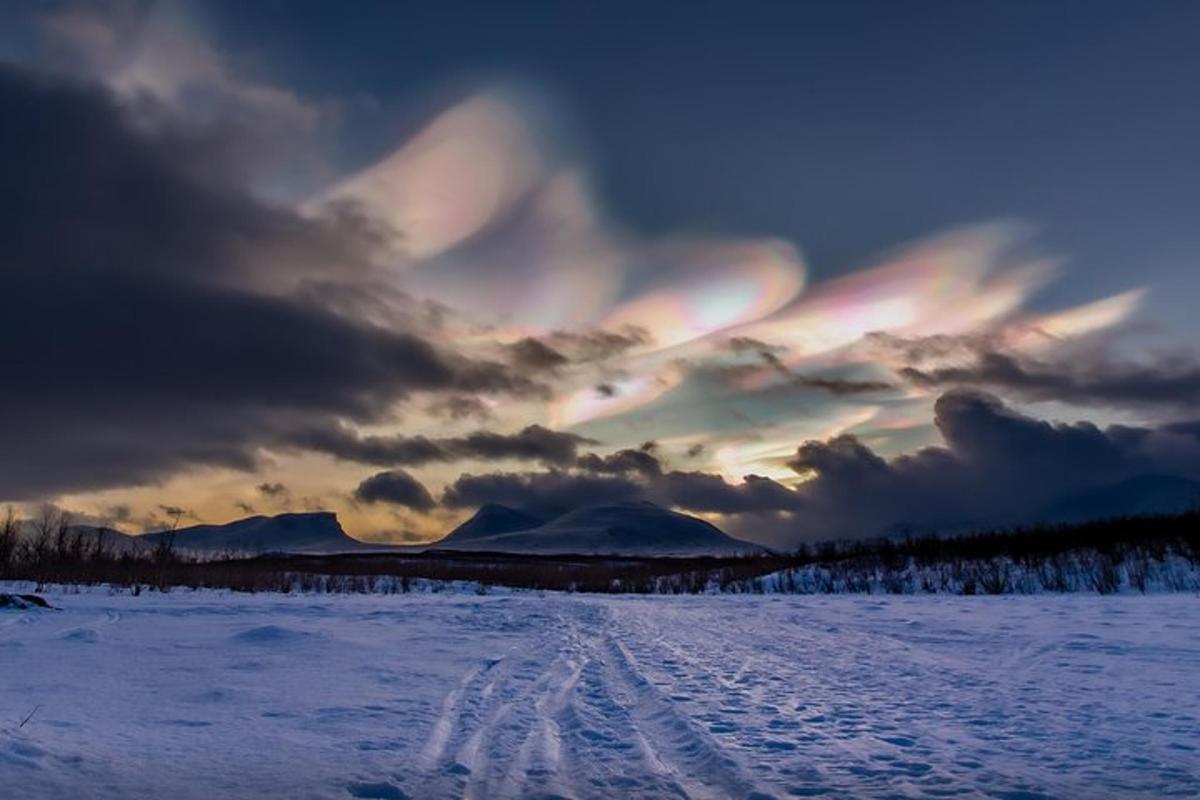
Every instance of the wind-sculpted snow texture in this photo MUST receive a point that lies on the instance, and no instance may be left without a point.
(206, 694)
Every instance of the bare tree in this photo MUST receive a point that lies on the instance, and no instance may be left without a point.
(99, 551)
(8, 540)
(62, 536)
(39, 550)
(164, 549)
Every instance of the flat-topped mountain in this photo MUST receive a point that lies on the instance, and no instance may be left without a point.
(315, 532)
(630, 528)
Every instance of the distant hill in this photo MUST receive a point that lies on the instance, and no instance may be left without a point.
(113, 540)
(491, 519)
(631, 528)
(316, 532)
(1135, 497)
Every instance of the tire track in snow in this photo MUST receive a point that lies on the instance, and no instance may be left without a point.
(496, 707)
(699, 765)
(536, 764)
(622, 736)
(449, 715)
(601, 747)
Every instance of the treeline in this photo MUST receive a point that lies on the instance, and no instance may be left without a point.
(51, 550)
(1148, 553)
(1156, 553)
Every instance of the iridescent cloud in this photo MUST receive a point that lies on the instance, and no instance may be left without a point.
(612, 398)
(461, 172)
(714, 285)
(944, 285)
(1042, 330)
(491, 218)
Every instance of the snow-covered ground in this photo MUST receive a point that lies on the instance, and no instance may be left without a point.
(206, 694)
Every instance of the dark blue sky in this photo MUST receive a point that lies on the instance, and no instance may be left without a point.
(847, 127)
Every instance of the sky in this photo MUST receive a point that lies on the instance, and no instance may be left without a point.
(807, 269)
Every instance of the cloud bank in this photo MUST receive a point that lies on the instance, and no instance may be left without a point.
(996, 467)
(139, 333)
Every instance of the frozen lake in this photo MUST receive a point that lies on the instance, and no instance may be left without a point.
(207, 694)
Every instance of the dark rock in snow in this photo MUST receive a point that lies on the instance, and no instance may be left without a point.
(22, 602)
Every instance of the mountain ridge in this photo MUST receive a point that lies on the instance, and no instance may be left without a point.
(492, 519)
(298, 532)
(623, 528)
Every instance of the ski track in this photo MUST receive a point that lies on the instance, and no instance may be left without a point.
(560, 696)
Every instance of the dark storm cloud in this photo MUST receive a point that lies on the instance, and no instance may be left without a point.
(841, 387)
(1090, 375)
(459, 407)
(534, 354)
(768, 356)
(532, 443)
(561, 349)
(395, 487)
(272, 489)
(557, 491)
(748, 344)
(599, 344)
(705, 492)
(997, 467)
(623, 462)
(917, 350)
(341, 442)
(144, 328)
(1169, 384)
(542, 493)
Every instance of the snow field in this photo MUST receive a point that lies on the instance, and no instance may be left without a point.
(211, 694)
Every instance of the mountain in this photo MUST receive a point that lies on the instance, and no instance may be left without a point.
(111, 539)
(631, 528)
(317, 532)
(1145, 494)
(491, 519)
